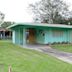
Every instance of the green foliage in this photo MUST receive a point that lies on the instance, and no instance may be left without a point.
(2, 16)
(6, 24)
(63, 47)
(50, 11)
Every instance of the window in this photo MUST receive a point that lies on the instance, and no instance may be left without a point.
(57, 33)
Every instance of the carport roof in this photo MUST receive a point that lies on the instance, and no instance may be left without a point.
(41, 25)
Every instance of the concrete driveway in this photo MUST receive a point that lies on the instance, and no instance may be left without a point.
(64, 56)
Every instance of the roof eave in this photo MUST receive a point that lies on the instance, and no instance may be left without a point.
(42, 25)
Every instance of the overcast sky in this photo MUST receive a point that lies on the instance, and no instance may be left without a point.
(16, 10)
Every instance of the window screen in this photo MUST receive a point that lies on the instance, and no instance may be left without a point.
(57, 33)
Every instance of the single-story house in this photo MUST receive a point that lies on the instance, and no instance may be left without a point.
(5, 33)
(40, 33)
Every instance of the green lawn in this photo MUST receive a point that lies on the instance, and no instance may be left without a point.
(63, 47)
(25, 60)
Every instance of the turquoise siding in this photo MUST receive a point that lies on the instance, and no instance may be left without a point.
(48, 36)
(19, 36)
(17, 39)
(44, 35)
(39, 36)
(64, 37)
(70, 36)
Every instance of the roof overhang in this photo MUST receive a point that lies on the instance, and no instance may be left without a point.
(41, 25)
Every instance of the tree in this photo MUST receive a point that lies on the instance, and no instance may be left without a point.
(6, 24)
(49, 11)
(69, 21)
(1, 17)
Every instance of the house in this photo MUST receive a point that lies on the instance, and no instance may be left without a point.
(40, 33)
(5, 33)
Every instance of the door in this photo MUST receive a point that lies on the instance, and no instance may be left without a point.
(32, 36)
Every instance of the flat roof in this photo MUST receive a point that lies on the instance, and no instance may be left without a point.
(41, 25)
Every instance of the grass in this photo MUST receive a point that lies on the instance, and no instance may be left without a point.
(25, 60)
(63, 47)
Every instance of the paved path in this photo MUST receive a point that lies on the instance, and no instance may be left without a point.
(64, 56)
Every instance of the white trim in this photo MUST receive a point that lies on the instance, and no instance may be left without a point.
(24, 37)
(19, 35)
(41, 25)
(13, 36)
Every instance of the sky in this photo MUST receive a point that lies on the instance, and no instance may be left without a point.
(17, 10)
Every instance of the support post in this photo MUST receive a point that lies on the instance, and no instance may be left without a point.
(9, 69)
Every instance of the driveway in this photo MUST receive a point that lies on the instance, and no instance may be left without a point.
(64, 56)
